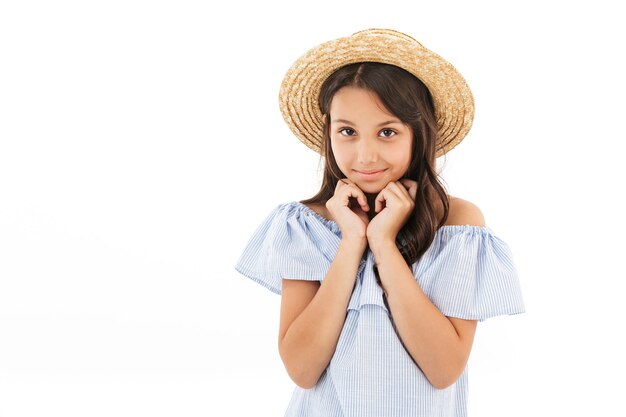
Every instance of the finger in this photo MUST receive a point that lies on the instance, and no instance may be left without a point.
(397, 196)
(396, 192)
(398, 189)
(380, 199)
(386, 195)
(352, 190)
(411, 187)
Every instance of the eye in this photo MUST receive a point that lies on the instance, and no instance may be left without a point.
(388, 133)
(346, 131)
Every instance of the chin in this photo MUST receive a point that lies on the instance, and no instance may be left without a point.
(370, 188)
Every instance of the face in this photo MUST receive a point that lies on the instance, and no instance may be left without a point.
(372, 147)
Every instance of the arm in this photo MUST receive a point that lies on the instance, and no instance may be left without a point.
(439, 345)
(312, 315)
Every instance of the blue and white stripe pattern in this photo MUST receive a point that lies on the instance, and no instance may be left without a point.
(467, 272)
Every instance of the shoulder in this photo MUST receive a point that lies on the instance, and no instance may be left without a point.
(463, 212)
(320, 209)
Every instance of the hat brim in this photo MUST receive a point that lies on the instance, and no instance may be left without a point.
(300, 88)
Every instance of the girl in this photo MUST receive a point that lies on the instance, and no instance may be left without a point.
(383, 275)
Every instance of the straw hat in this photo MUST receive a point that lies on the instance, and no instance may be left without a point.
(300, 89)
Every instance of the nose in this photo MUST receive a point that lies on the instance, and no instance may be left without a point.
(367, 151)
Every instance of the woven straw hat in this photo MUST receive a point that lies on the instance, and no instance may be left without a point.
(300, 89)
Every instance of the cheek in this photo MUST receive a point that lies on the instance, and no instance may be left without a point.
(406, 161)
(402, 158)
(341, 152)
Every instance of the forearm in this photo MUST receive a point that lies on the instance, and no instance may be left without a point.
(429, 337)
(311, 340)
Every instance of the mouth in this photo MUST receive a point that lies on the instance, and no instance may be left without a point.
(370, 174)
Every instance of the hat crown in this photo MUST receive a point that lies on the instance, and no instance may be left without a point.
(386, 32)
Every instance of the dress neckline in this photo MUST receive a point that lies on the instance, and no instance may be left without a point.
(446, 227)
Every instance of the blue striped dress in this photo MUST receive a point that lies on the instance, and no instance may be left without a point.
(467, 272)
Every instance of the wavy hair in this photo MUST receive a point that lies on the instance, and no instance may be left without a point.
(406, 97)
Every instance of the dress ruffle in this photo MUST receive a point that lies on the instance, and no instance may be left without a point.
(467, 272)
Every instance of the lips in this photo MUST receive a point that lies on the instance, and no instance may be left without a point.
(370, 175)
(370, 172)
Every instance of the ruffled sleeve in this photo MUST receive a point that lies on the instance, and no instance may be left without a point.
(289, 243)
(469, 273)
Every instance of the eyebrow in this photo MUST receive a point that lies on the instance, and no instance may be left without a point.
(380, 124)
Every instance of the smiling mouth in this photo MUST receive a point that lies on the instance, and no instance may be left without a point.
(370, 175)
(369, 172)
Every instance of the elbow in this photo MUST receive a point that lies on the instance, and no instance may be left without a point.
(447, 371)
(445, 379)
(442, 383)
(304, 381)
(301, 374)
(301, 377)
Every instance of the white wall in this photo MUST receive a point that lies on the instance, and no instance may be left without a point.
(141, 144)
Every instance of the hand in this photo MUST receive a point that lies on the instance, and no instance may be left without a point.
(394, 205)
(351, 218)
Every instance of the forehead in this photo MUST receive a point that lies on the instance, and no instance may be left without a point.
(358, 102)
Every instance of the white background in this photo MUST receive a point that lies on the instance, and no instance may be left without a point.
(141, 144)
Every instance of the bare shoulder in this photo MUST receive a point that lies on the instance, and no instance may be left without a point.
(320, 209)
(463, 212)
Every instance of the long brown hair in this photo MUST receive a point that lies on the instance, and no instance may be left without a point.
(405, 96)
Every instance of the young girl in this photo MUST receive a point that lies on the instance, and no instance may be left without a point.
(383, 275)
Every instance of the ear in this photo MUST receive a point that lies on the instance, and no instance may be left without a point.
(324, 119)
